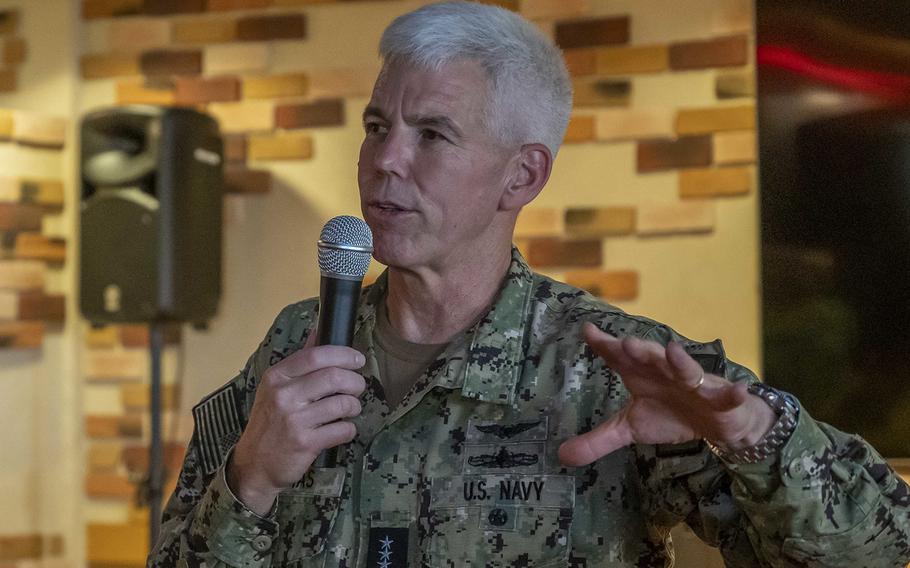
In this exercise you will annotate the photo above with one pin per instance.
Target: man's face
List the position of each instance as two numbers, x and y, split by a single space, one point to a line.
430 175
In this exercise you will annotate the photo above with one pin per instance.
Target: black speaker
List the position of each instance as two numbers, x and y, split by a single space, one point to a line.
150 215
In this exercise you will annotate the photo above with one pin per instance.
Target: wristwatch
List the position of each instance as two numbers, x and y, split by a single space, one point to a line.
787 411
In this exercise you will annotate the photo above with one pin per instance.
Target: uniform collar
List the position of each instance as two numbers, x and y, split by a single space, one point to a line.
493 364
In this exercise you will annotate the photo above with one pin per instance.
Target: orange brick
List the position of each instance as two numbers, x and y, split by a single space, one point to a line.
145 92
603 222
273 86
136 397
137 34
132 364
35 246
551 252
104 456
137 335
14 51
290 146
38 129
234 148
117 544
581 62
92 9
735 147
227 5
581 129
244 181
21 274
6 123
167 7
205 30
601 92
9 21
706 120
194 90
684 217
685 152
592 32
21 547
113 426
553 9
631 60
97 337
720 52
136 458
328 112
538 222
8 80
109 486
171 62
36 305
104 65
46 192
634 123
611 285
715 182
271 27
20 217
21 334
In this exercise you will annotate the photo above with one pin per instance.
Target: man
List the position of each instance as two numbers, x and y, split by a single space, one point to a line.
458 410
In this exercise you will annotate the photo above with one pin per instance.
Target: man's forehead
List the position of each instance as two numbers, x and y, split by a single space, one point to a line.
452 82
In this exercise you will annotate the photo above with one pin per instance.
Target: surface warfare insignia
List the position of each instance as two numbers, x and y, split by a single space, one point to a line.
503 459
218 426
508 430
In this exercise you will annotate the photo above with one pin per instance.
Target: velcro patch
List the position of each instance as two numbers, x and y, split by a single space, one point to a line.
388 547
531 430
503 491
218 425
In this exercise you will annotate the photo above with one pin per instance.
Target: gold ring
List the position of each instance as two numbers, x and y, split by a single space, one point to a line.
701 381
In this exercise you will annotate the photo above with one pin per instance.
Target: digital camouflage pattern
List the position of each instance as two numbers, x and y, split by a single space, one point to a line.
464 473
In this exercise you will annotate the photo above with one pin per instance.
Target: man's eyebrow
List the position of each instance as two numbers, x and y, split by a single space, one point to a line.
440 121
372 111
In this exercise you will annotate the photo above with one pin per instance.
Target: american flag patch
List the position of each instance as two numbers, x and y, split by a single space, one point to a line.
218 427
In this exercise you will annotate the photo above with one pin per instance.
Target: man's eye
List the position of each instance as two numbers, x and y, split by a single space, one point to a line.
372 127
431 135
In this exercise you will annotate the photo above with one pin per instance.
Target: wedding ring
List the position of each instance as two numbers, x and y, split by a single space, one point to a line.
701 381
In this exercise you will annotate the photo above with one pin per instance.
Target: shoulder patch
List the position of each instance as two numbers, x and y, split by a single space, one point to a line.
219 425
709 355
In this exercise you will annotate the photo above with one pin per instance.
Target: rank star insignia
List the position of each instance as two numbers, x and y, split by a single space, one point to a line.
388 547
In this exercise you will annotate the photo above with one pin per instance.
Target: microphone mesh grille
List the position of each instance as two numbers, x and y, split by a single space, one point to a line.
350 231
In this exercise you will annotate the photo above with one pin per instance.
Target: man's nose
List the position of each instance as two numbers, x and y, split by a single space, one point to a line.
394 153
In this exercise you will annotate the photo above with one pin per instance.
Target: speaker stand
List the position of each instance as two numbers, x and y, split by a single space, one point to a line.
156 458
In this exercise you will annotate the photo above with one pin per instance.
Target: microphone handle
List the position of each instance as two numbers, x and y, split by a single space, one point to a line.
338 299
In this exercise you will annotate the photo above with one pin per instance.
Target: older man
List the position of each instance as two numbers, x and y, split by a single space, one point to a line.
489 416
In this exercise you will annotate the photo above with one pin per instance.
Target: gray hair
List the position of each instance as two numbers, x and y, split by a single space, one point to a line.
530 95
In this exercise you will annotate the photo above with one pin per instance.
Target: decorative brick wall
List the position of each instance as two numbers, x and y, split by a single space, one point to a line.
659 159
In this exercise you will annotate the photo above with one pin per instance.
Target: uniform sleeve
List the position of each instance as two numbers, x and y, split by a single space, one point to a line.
827 500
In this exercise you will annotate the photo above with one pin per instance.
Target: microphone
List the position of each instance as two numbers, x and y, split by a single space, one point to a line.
345 249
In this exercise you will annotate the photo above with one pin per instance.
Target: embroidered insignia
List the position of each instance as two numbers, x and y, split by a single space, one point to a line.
388 547
503 459
507 431
218 425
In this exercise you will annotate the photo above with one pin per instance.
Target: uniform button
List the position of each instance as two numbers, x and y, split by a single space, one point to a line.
262 543
796 469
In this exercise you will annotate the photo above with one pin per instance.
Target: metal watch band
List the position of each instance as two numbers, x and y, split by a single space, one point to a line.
788 413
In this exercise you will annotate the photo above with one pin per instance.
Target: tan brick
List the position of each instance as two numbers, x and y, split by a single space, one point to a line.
8 80
21 274
227 5
271 27
104 65
235 58
20 217
244 116
273 86
719 52
288 146
666 154
234 148
35 246
137 335
100 426
10 190
14 51
603 222
38 129
194 90
684 217
136 397
46 192
93 9
109 486
735 85
6 123
36 305
124 545
601 92
538 222
581 62
331 83
631 60
611 285
21 547
706 120
106 336
240 180
592 32
301 2
145 92
9 305
738 147
715 182
552 252
327 112
581 129
104 456
205 30
137 34
136 458
21 334
634 123
171 62
106 365
553 9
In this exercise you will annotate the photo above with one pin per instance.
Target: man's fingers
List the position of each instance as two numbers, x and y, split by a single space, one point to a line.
310 359
327 410
684 369
607 347
591 446
323 383
335 434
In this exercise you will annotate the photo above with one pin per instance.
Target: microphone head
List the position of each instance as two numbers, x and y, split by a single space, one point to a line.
345 248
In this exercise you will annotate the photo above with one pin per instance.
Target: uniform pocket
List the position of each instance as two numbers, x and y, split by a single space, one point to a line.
306 515
499 521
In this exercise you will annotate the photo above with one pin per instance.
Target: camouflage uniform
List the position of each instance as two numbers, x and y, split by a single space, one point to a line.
465 471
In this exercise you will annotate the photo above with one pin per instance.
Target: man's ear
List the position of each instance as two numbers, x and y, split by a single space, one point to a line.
532 170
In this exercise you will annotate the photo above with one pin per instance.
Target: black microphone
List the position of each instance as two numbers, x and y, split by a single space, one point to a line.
345 248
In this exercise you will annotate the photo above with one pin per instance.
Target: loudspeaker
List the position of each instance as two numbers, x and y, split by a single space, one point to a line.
150 215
